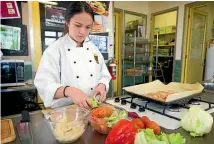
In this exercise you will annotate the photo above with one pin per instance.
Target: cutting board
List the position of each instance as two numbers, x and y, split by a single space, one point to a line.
7 131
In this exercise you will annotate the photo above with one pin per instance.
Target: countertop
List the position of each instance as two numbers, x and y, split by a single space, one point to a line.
42 134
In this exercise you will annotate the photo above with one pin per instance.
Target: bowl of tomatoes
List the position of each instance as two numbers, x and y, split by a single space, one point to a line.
103 118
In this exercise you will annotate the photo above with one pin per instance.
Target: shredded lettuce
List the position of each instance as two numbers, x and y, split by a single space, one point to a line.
197 121
94 102
147 136
115 117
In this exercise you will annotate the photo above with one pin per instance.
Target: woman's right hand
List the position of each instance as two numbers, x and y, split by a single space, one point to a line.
78 97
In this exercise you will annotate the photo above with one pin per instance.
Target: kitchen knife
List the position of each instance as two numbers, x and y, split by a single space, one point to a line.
24 129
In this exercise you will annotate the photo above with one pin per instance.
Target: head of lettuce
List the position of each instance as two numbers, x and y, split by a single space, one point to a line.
197 121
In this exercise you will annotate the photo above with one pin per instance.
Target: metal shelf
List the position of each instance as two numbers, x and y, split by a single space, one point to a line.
146 74
137 62
165 34
163 56
164 45
141 56
140 42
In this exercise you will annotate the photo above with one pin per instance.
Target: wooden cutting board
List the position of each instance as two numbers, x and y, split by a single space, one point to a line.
7 131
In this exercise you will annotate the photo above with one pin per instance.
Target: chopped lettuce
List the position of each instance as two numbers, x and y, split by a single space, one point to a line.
147 136
176 138
115 117
94 102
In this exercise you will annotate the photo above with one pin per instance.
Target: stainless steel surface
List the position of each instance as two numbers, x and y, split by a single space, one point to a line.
25 133
208 85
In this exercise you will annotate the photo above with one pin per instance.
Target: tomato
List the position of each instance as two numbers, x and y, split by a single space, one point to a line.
153 125
145 120
101 112
138 124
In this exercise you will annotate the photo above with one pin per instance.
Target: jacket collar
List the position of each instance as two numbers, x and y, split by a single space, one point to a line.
70 41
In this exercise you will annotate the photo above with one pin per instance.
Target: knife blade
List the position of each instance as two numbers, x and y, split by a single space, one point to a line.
24 129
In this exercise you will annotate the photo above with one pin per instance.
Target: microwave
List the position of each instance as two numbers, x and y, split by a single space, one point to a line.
12 73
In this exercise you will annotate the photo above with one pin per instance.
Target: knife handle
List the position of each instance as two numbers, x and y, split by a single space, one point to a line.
25 116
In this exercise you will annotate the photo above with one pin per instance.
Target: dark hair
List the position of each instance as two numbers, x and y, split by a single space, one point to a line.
76 7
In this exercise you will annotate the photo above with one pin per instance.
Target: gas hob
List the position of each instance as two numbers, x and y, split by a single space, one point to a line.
167 116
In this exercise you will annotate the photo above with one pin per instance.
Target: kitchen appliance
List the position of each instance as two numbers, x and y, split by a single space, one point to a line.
24 129
209 67
12 73
167 116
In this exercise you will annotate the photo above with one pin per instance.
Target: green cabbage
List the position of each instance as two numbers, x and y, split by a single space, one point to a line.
197 121
147 136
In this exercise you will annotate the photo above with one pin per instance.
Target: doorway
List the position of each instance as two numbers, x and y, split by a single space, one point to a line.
194 43
164 26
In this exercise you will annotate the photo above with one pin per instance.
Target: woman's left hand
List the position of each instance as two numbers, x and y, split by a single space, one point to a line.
101 91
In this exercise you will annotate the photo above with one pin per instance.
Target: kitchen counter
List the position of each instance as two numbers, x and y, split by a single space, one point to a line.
42 135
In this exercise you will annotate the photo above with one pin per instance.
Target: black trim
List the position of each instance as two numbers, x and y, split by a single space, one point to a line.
64 91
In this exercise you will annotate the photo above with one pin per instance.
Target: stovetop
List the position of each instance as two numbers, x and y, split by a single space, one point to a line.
167 116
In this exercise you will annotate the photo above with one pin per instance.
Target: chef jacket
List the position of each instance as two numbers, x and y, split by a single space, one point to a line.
64 64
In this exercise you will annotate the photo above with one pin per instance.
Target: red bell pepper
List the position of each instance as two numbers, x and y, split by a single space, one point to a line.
122 133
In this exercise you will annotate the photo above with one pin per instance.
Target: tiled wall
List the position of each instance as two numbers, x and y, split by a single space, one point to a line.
177 71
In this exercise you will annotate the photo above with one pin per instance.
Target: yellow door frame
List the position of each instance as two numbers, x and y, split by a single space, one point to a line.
118 48
35 36
152 33
187 34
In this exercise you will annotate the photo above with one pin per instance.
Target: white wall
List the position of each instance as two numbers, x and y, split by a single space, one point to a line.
160 6
111 31
166 19
134 6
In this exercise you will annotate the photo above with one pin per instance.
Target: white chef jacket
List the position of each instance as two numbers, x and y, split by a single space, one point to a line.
63 64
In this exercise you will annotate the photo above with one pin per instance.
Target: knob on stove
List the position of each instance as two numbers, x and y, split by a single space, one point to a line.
133 106
123 102
117 100
141 109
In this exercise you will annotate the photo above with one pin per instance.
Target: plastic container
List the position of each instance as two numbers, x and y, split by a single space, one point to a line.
68 124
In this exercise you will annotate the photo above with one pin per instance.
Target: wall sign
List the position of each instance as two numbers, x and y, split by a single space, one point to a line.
54 16
101 11
9 10
10 37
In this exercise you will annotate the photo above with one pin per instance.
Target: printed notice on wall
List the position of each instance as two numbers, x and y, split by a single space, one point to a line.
101 42
9 10
101 11
10 37
54 16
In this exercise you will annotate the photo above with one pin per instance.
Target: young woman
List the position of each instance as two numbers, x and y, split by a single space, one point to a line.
72 69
